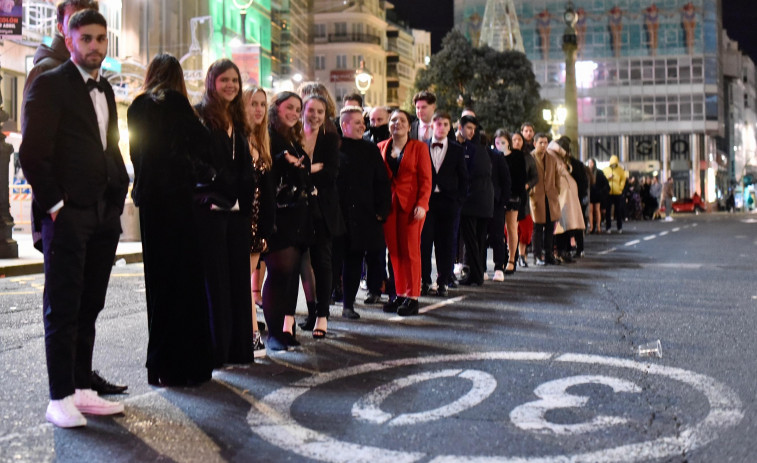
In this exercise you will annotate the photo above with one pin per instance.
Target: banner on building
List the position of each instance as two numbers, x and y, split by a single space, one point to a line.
343 75
247 58
11 12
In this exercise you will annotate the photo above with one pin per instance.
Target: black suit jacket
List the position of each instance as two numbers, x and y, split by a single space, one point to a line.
326 151
480 200
364 192
452 178
61 154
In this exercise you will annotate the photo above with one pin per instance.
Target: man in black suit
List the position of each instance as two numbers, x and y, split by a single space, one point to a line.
71 158
366 199
425 108
449 181
47 58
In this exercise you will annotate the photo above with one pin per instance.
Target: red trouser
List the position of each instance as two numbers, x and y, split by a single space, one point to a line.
525 230
403 240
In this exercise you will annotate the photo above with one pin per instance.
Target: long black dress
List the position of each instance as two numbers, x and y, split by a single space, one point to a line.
169 149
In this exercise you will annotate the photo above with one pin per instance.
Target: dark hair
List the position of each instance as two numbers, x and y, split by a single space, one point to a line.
424 95
353 97
163 74
442 115
86 18
78 5
506 135
291 134
213 111
309 88
524 125
540 135
468 120
564 143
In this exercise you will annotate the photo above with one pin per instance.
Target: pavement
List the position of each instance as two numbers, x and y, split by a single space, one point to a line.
30 261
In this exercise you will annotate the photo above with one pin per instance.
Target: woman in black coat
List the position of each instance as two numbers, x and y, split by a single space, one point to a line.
321 144
515 207
169 149
293 230
225 225
599 189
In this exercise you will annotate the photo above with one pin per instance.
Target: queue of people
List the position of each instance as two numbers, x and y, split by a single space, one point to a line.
241 199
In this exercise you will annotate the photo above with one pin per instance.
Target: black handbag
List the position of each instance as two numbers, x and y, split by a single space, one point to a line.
210 194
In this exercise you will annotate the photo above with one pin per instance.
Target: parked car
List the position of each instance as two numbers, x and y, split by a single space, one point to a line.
693 204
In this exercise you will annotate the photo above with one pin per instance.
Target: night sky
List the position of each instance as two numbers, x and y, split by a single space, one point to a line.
739 19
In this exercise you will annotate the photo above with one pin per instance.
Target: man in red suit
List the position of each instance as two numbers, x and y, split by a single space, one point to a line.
408 166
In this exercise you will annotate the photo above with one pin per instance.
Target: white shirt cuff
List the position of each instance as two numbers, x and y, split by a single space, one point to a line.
55 208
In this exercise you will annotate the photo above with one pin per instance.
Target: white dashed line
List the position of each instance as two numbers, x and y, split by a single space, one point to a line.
607 251
431 307
650 237
676 229
663 233
633 243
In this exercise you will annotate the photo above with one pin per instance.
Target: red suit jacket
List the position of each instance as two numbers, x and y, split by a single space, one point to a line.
412 185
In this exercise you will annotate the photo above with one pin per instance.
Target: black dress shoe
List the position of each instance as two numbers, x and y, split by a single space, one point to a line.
102 386
408 307
350 314
372 299
424 289
441 291
391 306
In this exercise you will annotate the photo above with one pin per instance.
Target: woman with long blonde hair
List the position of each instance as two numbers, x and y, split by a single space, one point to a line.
261 220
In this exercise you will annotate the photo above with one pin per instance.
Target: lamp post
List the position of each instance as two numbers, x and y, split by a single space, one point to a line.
242 6
8 246
556 119
363 79
570 48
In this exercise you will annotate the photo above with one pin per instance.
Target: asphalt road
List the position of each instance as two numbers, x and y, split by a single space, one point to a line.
542 367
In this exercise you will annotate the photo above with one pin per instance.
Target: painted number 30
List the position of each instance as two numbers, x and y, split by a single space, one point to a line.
553 395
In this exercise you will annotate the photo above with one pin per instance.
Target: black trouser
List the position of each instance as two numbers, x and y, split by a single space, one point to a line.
438 233
375 271
352 269
619 202
496 237
80 247
473 230
543 236
320 260
281 287
226 264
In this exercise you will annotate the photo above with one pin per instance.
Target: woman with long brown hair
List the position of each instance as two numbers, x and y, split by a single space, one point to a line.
261 218
293 231
170 151
226 223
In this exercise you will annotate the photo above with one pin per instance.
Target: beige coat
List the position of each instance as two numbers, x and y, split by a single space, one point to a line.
549 186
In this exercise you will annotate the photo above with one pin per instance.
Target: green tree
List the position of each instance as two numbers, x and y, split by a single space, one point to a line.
499 86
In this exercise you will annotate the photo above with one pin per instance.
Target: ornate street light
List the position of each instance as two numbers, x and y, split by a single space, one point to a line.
242 6
570 48
363 78
556 119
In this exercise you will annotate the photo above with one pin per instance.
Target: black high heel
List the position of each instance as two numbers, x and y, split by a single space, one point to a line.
308 324
510 272
291 338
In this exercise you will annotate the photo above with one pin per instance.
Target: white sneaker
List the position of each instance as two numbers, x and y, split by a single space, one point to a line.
668 219
499 275
486 276
87 401
64 414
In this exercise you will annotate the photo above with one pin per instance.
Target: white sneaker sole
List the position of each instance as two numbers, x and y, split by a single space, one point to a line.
101 410
66 423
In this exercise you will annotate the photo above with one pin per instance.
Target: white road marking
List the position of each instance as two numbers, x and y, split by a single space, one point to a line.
368 408
676 229
271 417
431 307
607 251
663 233
553 394
633 243
749 221
650 237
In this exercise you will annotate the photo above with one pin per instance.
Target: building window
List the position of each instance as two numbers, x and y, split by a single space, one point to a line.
320 31
356 59
644 148
341 61
340 29
601 148
320 62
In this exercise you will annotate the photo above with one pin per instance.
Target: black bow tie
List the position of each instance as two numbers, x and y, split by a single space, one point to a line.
92 84
437 145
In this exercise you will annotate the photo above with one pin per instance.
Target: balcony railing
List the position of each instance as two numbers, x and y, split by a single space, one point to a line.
39 21
362 38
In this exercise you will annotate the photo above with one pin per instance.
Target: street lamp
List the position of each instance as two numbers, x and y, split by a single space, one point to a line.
363 78
242 6
555 119
570 48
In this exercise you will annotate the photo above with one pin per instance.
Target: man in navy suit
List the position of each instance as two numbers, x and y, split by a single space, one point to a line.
425 107
71 158
449 186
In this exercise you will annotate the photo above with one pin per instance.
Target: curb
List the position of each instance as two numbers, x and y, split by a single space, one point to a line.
39 267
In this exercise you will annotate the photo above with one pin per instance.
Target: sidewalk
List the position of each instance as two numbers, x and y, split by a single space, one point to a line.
30 260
